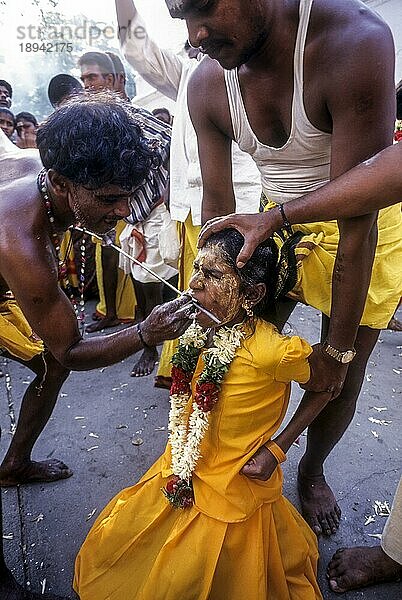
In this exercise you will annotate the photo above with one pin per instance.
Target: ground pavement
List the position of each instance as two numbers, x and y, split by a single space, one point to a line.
109 428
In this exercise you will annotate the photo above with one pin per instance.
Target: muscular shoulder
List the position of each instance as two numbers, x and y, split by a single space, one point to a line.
206 94
349 68
20 208
18 164
346 34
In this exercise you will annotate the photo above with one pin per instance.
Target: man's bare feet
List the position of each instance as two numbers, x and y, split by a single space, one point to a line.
146 364
11 590
353 568
395 324
319 506
103 324
34 472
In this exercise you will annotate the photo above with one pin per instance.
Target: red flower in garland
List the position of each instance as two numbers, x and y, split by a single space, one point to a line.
206 396
179 493
180 381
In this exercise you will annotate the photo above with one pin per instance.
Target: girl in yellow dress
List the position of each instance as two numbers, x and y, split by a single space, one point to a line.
196 527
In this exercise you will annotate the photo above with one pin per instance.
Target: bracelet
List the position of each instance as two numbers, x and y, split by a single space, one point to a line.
138 330
286 225
276 451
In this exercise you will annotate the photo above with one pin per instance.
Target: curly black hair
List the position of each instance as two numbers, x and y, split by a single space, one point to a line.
94 141
262 267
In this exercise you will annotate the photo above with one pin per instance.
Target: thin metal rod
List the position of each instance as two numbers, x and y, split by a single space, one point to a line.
150 271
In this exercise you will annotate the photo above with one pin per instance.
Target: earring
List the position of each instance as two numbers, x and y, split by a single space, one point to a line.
247 306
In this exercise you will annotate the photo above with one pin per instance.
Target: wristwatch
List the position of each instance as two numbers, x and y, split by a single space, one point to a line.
343 357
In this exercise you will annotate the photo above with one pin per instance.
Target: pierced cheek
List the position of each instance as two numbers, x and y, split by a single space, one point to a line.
226 295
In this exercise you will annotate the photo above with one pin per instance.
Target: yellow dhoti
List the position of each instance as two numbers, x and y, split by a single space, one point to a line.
16 335
125 295
317 249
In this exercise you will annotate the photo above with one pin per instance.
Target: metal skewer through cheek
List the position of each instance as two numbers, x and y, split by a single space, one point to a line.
150 271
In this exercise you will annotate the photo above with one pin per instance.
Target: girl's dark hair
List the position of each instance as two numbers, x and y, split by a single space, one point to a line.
94 141
260 268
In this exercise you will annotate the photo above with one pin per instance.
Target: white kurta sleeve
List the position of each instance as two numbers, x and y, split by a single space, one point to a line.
161 68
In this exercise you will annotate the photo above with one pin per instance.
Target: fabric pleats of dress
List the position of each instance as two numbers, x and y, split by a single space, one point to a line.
241 540
142 549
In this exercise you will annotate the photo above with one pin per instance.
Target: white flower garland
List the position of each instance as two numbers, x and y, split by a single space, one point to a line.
185 441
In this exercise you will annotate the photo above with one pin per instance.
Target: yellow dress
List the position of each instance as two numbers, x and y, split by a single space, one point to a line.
241 539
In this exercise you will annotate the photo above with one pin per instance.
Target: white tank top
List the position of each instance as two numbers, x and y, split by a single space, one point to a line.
302 164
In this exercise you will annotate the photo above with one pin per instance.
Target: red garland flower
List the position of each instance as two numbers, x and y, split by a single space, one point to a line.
180 381
206 396
179 493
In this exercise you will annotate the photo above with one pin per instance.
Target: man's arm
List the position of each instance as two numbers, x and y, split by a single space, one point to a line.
159 67
214 146
28 265
262 464
374 184
362 118
369 187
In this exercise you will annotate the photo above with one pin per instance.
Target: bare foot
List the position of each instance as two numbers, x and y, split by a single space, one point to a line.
103 324
10 590
319 506
395 325
353 568
146 364
34 472
163 382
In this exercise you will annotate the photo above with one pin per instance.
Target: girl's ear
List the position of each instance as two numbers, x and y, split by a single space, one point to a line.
256 293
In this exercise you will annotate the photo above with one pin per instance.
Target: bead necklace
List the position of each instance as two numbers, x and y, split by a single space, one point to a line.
79 306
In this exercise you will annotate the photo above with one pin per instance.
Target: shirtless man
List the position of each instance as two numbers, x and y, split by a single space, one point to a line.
84 181
305 80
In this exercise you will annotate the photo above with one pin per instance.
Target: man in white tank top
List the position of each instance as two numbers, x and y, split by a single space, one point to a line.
307 88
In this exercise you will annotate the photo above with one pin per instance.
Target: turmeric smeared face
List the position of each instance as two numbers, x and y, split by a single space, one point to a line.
216 286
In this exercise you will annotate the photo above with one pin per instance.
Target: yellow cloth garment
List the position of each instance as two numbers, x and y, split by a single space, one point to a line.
188 237
242 538
16 335
314 285
125 295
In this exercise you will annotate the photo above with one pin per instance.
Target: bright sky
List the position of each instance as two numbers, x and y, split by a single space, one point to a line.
168 32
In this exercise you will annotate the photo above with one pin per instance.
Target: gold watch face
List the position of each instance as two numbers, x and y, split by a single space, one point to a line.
348 356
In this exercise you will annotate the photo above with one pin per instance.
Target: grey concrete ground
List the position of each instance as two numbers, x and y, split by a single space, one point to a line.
109 428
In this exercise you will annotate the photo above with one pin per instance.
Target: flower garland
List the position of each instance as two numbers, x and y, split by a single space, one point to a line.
185 439
398 131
